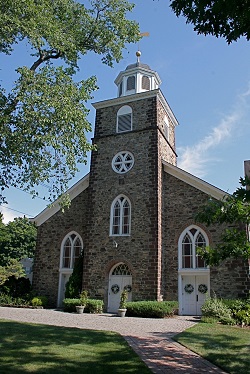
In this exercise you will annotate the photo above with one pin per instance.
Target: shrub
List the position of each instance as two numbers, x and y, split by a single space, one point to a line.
227 321
214 307
16 287
205 319
39 301
151 309
8 300
74 284
92 306
243 316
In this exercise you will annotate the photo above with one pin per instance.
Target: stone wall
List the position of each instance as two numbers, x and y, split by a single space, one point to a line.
50 236
180 204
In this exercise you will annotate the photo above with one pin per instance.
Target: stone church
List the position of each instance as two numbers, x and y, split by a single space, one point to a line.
133 214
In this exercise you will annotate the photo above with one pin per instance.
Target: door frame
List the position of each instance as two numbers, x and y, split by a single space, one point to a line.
190 272
110 279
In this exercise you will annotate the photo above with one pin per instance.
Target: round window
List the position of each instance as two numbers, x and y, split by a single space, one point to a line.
123 162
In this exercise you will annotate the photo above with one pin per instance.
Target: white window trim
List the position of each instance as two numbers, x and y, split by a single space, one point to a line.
70 269
121 154
120 223
193 239
125 109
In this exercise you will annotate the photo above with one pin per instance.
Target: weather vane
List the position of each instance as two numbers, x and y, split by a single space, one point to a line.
138 53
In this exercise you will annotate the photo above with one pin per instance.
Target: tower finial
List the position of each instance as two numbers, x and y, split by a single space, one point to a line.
138 54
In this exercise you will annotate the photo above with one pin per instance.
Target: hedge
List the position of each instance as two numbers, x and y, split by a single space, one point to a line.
151 309
92 306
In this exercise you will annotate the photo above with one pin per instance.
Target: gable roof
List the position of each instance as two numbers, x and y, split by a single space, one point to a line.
196 182
74 191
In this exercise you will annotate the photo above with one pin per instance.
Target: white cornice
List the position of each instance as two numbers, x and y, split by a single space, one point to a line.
135 97
74 191
196 182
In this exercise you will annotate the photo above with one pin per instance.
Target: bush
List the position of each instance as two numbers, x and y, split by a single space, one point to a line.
243 316
92 306
151 309
8 300
214 307
39 301
16 287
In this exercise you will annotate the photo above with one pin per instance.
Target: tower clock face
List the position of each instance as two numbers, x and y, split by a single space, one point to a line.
122 162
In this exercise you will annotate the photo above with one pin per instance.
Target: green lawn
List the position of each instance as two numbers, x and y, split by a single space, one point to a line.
226 346
31 348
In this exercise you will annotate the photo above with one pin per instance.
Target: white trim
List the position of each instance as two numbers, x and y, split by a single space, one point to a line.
193 181
121 217
123 162
74 191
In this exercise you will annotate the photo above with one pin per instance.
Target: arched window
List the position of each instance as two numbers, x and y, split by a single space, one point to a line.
71 250
131 83
124 119
145 83
191 239
120 217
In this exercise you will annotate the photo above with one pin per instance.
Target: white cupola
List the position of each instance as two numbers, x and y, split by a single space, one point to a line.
137 78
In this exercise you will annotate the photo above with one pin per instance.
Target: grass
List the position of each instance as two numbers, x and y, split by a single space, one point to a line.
43 349
226 346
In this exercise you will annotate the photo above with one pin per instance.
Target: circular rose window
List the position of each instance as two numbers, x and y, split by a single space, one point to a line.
122 162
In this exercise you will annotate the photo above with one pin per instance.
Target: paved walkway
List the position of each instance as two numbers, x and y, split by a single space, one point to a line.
150 338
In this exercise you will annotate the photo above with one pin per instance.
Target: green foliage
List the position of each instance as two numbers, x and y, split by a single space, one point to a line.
39 301
123 299
83 298
92 306
228 19
74 285
17 240
8 300
13 268
234 212
43 120
243 316
16 287
215 308
151 309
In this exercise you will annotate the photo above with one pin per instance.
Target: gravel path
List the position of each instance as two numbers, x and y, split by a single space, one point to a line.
127 326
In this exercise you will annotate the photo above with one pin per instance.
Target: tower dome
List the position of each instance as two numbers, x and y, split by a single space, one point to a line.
137 78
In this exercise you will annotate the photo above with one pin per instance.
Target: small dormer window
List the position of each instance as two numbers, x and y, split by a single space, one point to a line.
131 83
145 83
124 119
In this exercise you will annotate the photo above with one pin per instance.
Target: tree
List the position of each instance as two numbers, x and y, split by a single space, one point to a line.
234 213
226 18
12 269
43 120
17 240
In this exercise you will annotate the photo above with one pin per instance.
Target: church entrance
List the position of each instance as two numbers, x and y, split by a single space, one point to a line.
120 279
194 290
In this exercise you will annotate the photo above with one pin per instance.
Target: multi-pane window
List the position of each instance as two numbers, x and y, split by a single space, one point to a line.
72 249
122 162
124 119
192 239
120 216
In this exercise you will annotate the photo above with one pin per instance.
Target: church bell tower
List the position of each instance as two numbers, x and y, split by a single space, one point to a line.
134 132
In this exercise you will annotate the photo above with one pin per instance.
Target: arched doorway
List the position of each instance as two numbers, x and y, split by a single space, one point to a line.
120 278
71 249
194 274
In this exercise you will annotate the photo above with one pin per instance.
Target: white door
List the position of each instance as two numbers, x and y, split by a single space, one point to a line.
120 278
194 292
63 281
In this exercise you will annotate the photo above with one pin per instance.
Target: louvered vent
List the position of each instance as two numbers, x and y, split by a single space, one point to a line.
124 122
145 83
120 89
131 83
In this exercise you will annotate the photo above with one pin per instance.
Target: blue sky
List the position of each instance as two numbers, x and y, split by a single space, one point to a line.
205 81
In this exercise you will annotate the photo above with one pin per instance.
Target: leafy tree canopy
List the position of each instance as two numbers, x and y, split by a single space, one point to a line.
43 120
234 213
17 240
226 18
12 269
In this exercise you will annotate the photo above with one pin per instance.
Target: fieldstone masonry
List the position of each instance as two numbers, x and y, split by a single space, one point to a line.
162 207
